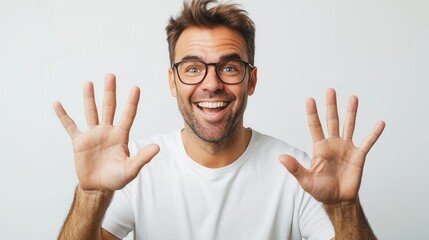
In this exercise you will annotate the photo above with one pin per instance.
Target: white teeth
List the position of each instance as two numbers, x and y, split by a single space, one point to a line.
212 104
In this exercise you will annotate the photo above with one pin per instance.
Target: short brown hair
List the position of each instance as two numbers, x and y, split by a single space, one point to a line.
197 13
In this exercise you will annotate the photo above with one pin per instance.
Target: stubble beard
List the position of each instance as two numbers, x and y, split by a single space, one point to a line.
213 132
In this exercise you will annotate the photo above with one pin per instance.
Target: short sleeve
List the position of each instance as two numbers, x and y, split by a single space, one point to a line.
314 222
119 217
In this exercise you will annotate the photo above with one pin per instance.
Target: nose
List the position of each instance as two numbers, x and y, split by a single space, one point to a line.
211 82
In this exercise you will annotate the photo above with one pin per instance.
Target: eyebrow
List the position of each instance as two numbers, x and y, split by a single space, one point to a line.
191 58
232 56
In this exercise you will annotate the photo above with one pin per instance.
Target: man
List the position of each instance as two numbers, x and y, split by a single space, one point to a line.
214 179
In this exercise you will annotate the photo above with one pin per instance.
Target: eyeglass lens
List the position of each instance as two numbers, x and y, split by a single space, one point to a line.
192 72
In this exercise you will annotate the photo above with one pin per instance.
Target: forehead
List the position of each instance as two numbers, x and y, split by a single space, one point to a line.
210 44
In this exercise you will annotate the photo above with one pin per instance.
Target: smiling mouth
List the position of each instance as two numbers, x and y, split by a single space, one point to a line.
212 105
213 111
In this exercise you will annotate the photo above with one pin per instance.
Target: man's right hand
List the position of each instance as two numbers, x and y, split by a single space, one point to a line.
102 158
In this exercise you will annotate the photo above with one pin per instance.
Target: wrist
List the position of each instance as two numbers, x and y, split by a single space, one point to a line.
348 206
86 214
94 194
92 202
349 220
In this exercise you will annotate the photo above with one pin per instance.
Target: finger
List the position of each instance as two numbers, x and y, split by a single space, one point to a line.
314 121
67 122
372 138
350 122
142 158
91 113
301 174
109 101
332 113
130 110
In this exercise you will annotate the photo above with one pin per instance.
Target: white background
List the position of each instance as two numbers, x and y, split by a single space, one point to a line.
375 49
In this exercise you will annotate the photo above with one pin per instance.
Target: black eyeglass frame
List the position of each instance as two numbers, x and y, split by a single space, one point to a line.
246 64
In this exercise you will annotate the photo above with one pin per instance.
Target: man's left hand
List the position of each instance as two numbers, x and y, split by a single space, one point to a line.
337 164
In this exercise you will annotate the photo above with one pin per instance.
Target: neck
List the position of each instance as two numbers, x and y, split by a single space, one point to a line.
216 154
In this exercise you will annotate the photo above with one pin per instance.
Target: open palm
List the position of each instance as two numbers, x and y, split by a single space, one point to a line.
101 152
337 164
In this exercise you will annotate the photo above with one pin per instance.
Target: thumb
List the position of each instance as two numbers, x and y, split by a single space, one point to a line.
142 158
296 169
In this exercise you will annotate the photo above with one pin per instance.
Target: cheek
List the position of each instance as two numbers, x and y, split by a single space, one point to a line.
240 92
184 93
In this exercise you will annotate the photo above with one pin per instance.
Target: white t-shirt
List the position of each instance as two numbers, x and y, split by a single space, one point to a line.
255 197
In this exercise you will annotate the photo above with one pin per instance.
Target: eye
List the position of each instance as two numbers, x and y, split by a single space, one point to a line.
229 69
193 69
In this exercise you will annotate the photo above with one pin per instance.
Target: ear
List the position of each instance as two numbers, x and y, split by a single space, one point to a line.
252 81
172 82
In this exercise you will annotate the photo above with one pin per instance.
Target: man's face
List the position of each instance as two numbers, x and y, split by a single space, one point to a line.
212 109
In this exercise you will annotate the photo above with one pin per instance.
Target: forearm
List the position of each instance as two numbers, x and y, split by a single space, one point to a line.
86 215
349 221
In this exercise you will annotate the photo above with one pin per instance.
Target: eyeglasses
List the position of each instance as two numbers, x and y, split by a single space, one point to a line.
192 72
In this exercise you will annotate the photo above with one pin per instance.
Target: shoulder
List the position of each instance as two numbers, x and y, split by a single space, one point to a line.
270 146
165 141
166 161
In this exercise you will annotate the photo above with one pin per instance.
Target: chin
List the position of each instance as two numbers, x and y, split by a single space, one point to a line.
212 133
